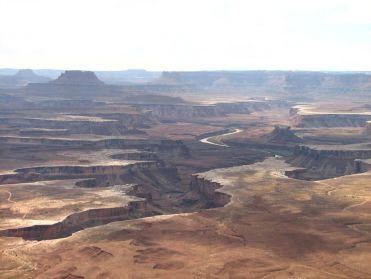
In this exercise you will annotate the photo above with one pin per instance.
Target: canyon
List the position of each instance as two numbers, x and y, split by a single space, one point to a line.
255 174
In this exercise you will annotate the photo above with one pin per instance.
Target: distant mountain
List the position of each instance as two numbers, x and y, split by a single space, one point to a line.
21 78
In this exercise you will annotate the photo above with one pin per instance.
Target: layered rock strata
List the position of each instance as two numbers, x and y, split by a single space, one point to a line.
322 163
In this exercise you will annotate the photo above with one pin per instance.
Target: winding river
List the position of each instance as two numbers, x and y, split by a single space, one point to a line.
207 140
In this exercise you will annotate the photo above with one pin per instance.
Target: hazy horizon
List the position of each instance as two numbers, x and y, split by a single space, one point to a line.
159 71
165 35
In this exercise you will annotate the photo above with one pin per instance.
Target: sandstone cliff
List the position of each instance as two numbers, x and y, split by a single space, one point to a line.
208 189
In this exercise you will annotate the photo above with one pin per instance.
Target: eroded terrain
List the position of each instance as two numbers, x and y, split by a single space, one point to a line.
159 181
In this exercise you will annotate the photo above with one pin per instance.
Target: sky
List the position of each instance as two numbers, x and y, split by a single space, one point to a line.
186 34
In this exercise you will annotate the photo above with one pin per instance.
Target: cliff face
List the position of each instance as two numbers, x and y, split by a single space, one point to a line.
328 119
79 221
62 172
205 190
208 190
325 163
163 148
362 165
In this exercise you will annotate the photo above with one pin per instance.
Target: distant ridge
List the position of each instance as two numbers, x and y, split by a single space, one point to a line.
281 81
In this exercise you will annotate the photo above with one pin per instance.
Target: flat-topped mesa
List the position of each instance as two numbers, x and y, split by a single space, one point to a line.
307 116
78 78
328 161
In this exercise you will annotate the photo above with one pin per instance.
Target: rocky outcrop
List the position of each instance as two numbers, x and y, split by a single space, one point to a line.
362 165
283 135
208 189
